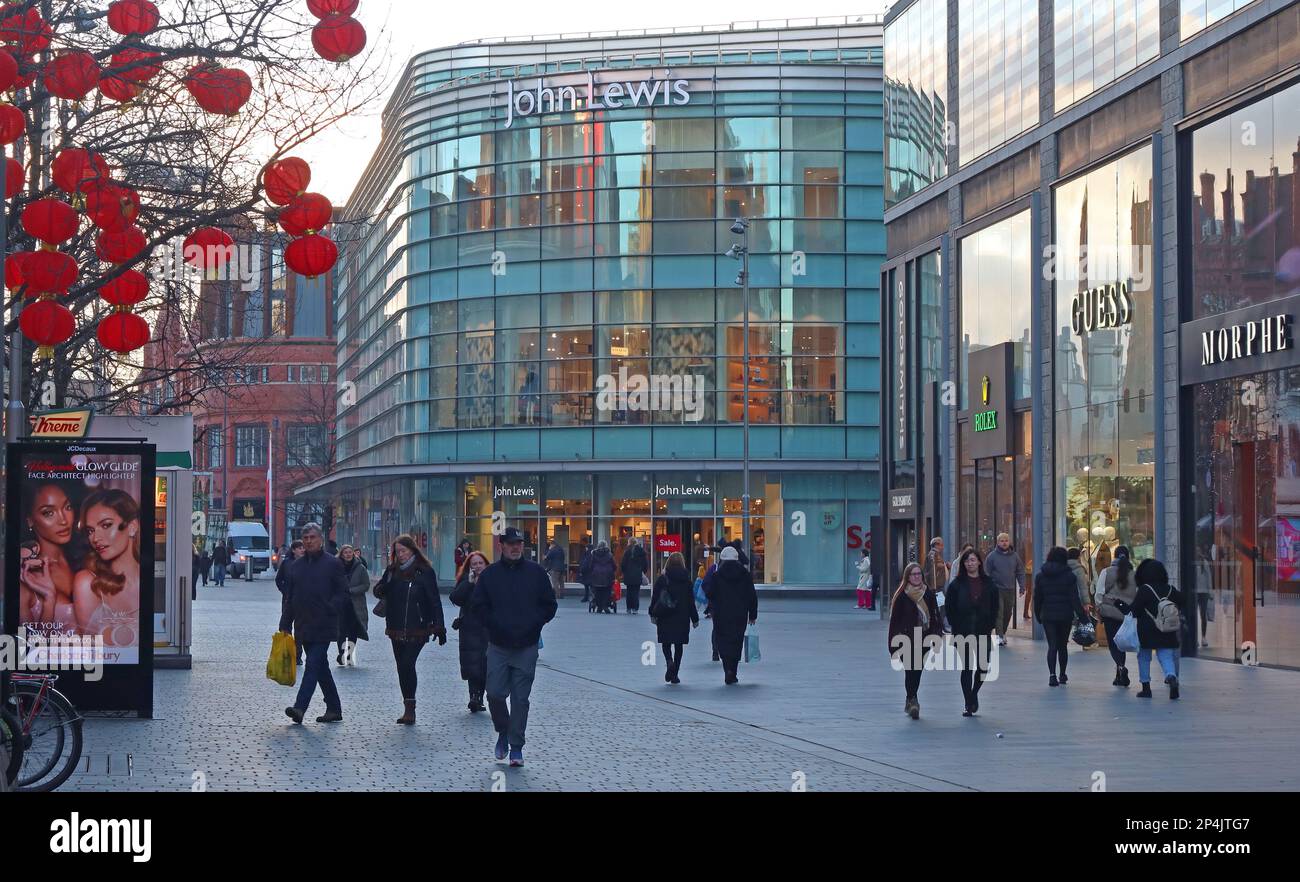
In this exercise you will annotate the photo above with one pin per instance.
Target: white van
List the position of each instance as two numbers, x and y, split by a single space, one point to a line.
252 554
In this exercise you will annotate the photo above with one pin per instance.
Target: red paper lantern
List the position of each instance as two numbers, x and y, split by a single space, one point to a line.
74 170
48 272
338 38
15 178
132 17
28 70
13 124
112 207
123 332
221 90
8 70
28 31
15 269
72 75
50 220
286 179
128 289
136 65
208 248
324 8
120 246
309 213
311 256
116 88
47 324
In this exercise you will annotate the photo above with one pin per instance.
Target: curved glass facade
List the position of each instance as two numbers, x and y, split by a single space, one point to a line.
551 287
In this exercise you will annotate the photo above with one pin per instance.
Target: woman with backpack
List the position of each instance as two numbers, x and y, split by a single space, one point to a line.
1116 586
672 611
1157 608
1056 605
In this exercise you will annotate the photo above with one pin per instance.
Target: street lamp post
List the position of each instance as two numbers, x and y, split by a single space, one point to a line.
740 251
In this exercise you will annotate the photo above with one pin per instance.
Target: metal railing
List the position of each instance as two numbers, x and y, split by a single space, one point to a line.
760 24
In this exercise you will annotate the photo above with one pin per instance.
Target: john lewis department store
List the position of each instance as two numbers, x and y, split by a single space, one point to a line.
1105 267
537 317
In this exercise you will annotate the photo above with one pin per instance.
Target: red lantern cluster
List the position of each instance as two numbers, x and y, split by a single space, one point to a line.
121 331
217 89
306 215
75 171
337 36
286 179
45 276
303 216
27 31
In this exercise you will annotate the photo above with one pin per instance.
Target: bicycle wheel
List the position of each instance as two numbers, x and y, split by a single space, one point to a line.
12 742
54 738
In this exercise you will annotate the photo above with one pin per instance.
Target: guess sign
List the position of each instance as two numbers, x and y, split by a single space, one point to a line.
667 543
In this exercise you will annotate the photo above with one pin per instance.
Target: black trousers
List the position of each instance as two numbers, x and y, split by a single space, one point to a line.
632 594
405 653
974 668
349 627
730 646
673 656
1202 605
1058 645
1111 627
912 681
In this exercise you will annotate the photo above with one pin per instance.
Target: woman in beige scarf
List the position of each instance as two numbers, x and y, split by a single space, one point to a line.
913 617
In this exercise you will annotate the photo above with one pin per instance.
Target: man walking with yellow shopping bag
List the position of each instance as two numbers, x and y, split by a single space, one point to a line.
315 589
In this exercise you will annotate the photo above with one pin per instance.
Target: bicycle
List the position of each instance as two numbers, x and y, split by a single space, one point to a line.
11 747
50 732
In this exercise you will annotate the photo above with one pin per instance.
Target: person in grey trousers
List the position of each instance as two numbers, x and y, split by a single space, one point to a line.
514 600
1006 570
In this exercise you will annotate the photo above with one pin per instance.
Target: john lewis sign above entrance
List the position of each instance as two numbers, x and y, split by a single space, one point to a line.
522 100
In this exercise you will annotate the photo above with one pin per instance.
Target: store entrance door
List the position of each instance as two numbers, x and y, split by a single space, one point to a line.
903 552
697 537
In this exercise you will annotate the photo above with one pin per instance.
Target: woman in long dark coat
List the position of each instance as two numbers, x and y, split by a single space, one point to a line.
473 631
409 589
674 626
972 609
914 620
734 603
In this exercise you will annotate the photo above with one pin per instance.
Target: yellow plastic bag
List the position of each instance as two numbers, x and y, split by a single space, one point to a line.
282 666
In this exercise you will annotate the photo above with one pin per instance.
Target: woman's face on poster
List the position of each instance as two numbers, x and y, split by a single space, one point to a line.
52 517
107 533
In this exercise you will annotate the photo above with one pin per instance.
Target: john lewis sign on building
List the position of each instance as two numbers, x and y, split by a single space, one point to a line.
524 101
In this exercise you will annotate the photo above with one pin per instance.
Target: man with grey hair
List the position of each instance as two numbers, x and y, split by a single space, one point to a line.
315 589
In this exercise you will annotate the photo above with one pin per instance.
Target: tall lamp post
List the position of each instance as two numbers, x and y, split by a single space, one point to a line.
740 251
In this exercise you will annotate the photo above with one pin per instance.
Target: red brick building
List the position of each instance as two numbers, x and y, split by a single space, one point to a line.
264 338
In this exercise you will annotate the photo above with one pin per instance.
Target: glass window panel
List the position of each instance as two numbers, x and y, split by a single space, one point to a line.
567 241
616 239
618 307
624 341
671 202
517 312
567 309
683 134
683 237
684 306
756 167
684 168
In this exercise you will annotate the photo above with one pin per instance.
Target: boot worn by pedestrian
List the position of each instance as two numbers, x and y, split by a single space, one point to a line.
1052 681
1145 691
408 718
330 717
1119 678
502 748
913 709
294 714
1172 682
516 757
1123 678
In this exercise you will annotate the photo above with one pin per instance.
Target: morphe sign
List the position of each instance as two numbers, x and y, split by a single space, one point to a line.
1244 341
524 100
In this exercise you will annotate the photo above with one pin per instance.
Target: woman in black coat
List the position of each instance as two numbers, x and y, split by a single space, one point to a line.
914 626
413 613
472 630
733 602
1056 605
1153 586
971 604
674 625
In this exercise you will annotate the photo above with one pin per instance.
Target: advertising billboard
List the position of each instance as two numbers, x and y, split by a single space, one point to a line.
80 551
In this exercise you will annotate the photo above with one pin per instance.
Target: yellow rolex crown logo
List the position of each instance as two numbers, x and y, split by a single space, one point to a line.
984 389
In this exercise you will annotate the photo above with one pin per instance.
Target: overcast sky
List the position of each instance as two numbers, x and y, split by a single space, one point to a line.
401 28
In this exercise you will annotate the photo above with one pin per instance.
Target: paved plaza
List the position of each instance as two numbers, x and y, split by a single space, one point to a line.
822 710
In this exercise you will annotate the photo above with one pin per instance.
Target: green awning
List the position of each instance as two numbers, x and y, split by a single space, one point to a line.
170 460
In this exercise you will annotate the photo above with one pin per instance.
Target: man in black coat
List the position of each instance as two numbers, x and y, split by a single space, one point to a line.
220 560
733 602
513 598
584 572
634 566
315 589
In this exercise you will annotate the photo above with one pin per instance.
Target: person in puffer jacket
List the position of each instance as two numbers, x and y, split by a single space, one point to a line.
1056 605
409 589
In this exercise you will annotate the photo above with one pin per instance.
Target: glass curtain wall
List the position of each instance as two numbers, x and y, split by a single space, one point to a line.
1197 15
997 74
996 271
1105 359
1097 43
916 98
